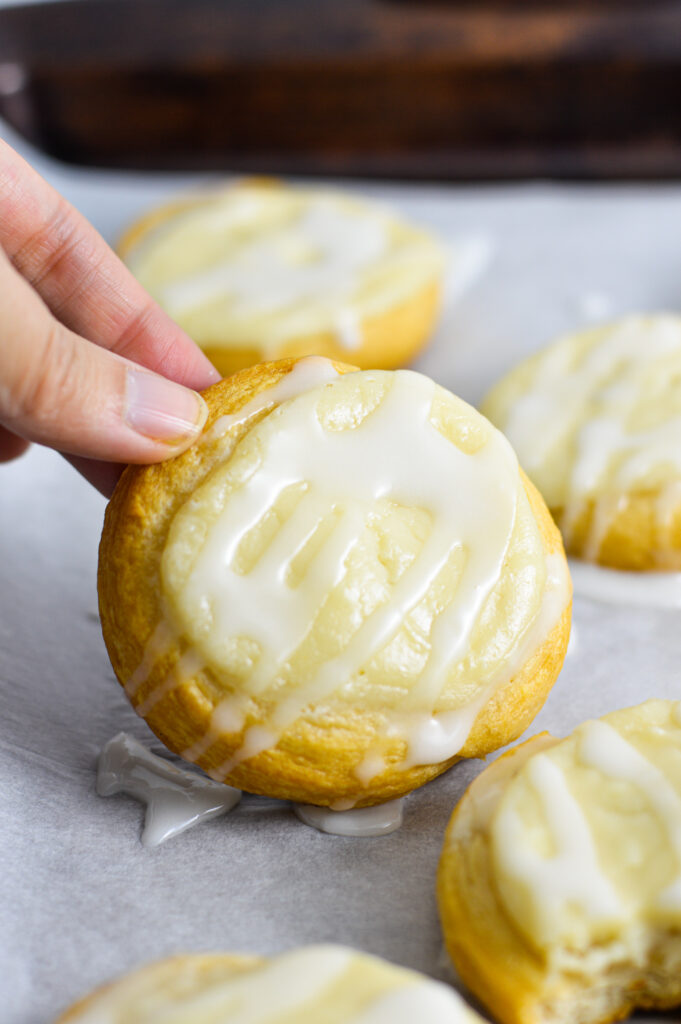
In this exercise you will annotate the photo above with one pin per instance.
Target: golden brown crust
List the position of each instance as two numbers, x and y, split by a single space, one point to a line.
489 953
634 540
389 339
312 762
493 957
515 706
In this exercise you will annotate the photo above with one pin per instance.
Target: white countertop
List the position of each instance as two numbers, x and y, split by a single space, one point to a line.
81 899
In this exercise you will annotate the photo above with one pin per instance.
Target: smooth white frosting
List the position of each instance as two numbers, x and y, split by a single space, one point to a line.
176 799
361 822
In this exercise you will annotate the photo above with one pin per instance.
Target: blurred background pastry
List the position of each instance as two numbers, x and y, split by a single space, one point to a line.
596 422
261 270
309 985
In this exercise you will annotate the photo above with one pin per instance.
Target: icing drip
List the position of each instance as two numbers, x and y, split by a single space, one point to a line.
158 644
364 821
570 876
308 373
176 799
614 586
435 738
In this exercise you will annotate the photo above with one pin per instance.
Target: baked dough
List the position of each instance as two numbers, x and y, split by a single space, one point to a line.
560 878
596 422
260 270
342 588
329 984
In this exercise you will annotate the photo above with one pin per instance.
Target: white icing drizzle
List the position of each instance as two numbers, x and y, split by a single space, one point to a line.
307 373
603 748
591 404
158 644
429 1002
615 586
284 986
292 263
323 251
305 984
436 738
380 820
353 469
176 799
572 875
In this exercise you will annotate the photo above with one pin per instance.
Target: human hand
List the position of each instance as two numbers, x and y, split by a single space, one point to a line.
89 364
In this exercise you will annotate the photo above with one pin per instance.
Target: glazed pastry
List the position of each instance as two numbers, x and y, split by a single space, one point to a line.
342 588
309 985
596 422
560 879
260 270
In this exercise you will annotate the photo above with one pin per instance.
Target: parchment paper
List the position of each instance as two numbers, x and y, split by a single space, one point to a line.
80 899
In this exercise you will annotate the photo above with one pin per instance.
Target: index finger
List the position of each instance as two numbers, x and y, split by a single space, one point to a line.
83 282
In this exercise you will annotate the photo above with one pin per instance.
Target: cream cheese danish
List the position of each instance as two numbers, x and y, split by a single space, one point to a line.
260 270
344 587
596 422
560 878
316 983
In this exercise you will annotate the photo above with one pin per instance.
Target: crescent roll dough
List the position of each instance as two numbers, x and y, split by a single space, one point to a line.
560 878
329 984
260 270
343 587
596 422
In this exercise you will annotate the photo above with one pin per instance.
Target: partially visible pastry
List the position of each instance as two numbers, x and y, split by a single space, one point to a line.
315 984
346 585
260 270
560 878
596 422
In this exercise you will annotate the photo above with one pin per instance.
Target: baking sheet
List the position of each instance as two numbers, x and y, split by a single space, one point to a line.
80 899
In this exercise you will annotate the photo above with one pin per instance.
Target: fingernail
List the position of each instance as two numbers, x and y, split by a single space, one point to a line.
162 410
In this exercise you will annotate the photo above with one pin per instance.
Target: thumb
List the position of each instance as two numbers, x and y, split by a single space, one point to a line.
60 390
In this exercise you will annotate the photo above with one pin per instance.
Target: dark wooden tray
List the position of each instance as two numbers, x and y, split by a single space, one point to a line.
372 87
